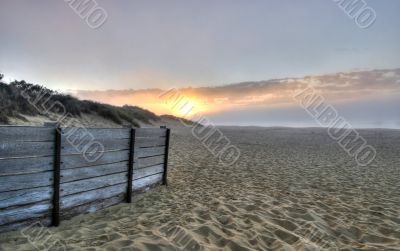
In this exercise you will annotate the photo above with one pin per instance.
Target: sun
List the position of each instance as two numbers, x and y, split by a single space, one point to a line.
188 107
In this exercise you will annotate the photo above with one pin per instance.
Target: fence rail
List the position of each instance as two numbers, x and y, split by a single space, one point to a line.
45 177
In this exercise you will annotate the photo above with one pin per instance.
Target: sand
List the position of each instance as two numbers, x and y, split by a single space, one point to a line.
292 189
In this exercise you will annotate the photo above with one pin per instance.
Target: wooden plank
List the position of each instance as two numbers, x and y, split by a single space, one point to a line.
149 161
150 132
98 194
26 212
150 142
13 183
86 186
26 149
69 175
144 172
79 147
149 152
26 196
148 181
25 133
97 133
26 165
92 206
78 160
94 183
96 205
147 188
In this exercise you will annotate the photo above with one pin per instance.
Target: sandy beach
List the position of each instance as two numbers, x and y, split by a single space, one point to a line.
291 189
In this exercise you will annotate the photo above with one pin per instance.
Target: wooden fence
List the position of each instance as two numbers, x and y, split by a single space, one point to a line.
45 177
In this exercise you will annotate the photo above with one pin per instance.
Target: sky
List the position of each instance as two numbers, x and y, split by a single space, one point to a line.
201 44
366 99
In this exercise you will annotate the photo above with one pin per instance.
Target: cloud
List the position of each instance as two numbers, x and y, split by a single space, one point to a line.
339 87
367 98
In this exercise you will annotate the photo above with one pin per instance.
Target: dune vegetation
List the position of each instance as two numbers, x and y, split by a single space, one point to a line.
14 104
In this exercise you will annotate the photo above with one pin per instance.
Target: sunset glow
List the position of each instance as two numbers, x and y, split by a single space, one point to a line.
228 60
200 125
265 100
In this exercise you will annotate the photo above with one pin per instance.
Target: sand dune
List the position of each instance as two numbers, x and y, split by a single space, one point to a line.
292 189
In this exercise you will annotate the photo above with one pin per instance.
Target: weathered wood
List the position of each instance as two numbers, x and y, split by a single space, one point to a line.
130 165
150 132
79 147
144 182
26 149
78 160
98 194
37 166
25 133
25 212
74 174
25 165
13 183
150 142
92 206
149 161
144 172
146 188
56 177
149 152
97 133
93 183
26 196
165 175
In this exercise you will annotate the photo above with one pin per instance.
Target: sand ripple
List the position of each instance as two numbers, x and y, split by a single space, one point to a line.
291 190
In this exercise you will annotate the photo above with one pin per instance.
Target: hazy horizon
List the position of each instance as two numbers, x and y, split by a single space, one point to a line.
282 126
271 102
202 48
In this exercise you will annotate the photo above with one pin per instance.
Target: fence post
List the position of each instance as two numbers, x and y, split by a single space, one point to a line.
56 177
130 165
165 181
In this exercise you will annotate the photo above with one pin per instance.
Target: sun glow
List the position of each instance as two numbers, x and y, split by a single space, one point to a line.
187 108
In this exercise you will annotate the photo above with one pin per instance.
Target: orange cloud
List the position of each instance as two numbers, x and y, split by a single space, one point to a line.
342 87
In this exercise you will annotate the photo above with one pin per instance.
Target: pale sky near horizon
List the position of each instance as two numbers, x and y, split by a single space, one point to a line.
146 44
163 44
